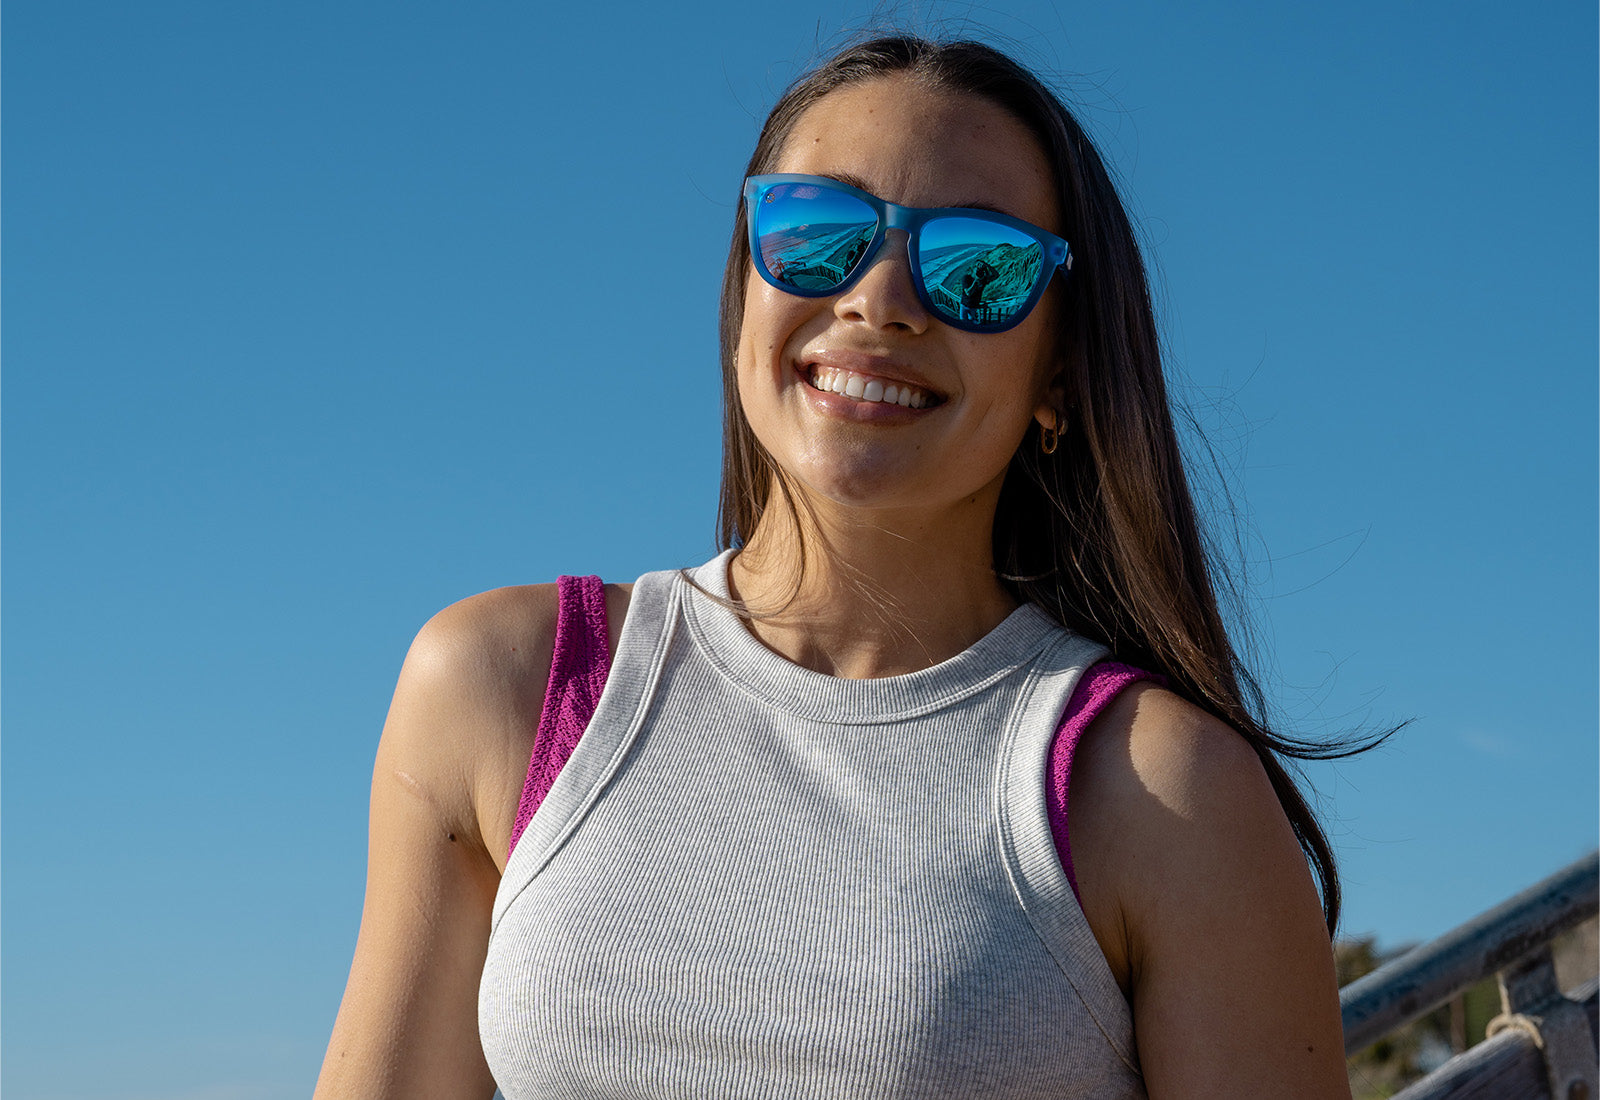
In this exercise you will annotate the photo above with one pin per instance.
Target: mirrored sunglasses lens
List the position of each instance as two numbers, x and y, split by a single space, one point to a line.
812 237
978 272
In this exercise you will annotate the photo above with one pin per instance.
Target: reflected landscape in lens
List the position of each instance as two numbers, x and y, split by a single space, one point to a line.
978 271
812 236
815 257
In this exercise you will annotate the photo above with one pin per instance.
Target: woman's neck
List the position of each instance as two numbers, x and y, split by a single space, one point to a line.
871 594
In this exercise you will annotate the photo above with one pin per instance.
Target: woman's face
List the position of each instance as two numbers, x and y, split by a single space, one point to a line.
915 146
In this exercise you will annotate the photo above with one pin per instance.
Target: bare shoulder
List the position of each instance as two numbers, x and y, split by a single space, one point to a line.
467 704
485 644
1196 887
1159 776
1185 778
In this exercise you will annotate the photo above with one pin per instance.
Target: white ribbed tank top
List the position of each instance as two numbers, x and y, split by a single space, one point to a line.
755 880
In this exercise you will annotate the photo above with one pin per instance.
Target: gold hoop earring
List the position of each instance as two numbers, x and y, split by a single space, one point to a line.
1050 437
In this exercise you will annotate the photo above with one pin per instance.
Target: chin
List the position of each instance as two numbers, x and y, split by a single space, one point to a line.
866 489
884 486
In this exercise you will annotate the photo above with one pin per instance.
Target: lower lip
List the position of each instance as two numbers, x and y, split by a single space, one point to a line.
848 408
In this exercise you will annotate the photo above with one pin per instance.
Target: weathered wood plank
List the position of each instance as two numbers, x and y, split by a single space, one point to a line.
1421 980
1507 1066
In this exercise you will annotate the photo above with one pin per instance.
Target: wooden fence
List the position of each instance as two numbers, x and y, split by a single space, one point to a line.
1543 1044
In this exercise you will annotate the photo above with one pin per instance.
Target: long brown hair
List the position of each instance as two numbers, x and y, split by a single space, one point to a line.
1102 534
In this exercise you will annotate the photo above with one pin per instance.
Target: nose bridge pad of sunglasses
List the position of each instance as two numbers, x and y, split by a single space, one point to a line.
890 268
895 244
900 232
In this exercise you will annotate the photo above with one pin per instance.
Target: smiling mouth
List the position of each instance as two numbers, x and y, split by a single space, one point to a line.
867 389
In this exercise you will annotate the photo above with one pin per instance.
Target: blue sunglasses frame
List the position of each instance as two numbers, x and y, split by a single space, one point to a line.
1056 255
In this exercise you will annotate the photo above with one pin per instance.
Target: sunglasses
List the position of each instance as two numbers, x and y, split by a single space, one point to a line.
975 270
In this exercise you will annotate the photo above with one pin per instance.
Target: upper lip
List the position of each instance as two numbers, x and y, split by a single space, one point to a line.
885 368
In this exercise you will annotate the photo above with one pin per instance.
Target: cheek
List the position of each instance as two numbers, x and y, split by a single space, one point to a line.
1018 367
761 363
772 323
1039 353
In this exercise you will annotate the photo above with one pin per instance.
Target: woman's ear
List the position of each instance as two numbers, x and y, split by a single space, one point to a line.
1051 417
1050 414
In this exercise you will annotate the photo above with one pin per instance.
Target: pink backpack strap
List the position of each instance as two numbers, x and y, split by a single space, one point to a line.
578 671
1100 684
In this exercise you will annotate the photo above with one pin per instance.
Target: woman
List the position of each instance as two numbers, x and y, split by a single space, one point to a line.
814 837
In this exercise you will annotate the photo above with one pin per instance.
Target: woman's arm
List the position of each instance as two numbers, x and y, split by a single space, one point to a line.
1197 890
449 768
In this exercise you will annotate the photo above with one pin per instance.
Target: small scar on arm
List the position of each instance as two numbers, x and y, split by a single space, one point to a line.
415 788
419 792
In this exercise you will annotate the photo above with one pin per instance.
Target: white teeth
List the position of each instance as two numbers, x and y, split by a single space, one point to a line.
861 388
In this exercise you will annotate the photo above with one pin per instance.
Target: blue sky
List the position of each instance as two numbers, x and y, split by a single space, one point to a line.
319 317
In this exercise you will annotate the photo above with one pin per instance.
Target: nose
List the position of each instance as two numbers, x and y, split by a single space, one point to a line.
884 297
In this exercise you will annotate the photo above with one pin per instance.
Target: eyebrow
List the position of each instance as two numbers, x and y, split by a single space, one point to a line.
861 185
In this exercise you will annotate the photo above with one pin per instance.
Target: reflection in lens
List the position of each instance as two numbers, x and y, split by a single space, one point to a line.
978 271
812 237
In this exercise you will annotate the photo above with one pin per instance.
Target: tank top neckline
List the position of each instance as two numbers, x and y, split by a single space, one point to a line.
731 648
